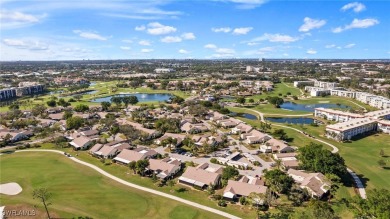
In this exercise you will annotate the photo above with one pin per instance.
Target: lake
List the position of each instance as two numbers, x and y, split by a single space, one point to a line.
310 107
290 120
141 97
244 115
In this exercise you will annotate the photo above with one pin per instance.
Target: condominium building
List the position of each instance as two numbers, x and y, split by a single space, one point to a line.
379 114
346 130
335 115
364 97
303 83
8 93
317 91
384 126
343 93
326 85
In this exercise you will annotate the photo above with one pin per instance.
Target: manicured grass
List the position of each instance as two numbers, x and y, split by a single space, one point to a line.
280 88
336 100
80 191
361 155
122 172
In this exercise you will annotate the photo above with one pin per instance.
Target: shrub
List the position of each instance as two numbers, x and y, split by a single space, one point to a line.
222 203
213 160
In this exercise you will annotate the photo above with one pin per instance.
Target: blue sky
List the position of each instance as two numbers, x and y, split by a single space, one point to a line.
204 29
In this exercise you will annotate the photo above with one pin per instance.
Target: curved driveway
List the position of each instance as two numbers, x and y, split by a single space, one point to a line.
119 180
358 182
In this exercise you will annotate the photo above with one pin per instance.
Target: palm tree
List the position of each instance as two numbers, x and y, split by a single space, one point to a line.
278 163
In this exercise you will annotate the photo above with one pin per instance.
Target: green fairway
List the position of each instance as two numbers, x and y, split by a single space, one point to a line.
80 191
279 88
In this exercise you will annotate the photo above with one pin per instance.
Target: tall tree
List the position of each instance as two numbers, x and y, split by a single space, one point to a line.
43 195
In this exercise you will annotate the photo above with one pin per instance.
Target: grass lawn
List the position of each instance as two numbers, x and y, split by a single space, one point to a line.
280 88
361 155
336 100
80 191
190 194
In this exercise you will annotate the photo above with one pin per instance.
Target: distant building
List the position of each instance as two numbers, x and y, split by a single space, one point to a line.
164 70
303 83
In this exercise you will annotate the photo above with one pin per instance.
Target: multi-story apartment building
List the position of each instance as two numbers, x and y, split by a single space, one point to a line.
364 97
317 91
335 115
8 93
326 85
303 83
379 114
346 130
384 126
343 93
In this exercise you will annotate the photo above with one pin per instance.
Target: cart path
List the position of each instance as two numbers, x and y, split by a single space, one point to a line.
119 180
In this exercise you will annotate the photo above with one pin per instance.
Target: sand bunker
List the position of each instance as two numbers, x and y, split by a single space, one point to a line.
10 188
323 101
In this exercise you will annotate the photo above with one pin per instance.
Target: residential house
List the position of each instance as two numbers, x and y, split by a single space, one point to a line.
81 143
14 136
201 176
190 128
255 137
315 183
275 146
126 156
243 188
288 160
165 168
242 128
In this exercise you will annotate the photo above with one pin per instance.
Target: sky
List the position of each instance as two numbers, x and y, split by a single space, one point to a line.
197 29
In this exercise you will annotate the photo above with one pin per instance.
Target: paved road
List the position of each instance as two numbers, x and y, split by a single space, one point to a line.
119 180
358 182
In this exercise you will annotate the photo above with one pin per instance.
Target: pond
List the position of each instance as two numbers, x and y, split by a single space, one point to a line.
244 115
141 97
83 93
310 107
291 120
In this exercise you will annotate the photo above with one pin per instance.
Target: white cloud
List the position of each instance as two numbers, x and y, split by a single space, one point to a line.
356 23
252 44
221 29
26 44
355 6
140 28
261 51
188 36
144 43
156 28
225 51
146 50
349 45
242 30
183 51
330 46
311 51
89 35
125 47
171 39
285 54
247 4
337 30
309 24
16 19
210 46
275 38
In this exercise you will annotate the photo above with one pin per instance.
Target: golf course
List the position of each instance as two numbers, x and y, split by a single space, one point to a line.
80 191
